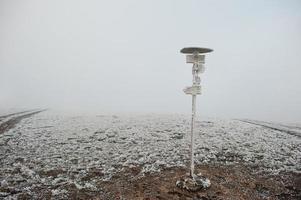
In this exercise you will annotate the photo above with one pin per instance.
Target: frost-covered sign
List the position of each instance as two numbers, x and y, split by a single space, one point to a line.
195 55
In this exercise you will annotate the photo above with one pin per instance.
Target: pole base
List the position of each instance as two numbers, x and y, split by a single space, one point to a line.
194 184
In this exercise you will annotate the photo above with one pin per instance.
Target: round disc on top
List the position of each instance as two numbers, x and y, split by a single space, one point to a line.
191 50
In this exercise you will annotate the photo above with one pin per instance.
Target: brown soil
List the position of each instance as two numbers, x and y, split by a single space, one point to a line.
228 182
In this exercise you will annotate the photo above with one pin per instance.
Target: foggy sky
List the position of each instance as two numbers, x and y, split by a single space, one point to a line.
123 56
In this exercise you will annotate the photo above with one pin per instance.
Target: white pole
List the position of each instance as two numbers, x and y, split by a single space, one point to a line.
192 137
194 55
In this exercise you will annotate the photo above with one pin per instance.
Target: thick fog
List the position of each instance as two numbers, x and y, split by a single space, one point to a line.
124 56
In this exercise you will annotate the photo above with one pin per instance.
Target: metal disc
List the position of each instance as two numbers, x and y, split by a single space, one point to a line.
191 50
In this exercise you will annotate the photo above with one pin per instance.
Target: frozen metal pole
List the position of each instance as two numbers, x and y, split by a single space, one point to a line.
195 55
195 90
192 137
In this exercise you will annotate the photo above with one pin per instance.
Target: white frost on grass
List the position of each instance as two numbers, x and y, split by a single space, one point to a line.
4 183
58 192
49 147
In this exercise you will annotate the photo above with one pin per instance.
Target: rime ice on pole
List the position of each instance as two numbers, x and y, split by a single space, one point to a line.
194 55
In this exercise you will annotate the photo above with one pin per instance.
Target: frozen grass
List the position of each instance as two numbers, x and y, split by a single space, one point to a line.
54 149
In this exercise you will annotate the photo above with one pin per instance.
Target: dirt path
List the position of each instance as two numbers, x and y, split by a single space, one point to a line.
287 129
16 113
5 126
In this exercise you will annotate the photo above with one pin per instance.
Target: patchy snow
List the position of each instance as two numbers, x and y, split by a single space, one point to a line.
54 149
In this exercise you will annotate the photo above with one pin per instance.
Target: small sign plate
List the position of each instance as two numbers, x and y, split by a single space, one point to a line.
193 90
195 58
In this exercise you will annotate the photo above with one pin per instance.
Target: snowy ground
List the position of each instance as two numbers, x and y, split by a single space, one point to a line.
53 149
292 129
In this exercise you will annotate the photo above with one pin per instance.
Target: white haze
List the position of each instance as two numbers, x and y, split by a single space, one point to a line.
123 56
